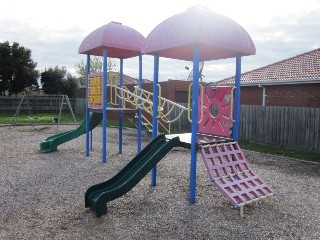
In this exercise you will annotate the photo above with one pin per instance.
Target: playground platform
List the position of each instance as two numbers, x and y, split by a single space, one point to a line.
122 110
185 139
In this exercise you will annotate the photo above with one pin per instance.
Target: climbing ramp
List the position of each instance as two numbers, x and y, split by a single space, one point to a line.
230 172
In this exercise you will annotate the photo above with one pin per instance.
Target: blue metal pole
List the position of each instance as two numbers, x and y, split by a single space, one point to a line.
155 112
91 140
104 105
120 105
236 125
194 127
87 106
139 109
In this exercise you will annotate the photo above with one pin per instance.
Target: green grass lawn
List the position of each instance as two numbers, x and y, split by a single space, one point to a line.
66 118
281 151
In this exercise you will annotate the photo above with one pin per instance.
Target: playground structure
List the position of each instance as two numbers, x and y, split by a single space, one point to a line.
214 111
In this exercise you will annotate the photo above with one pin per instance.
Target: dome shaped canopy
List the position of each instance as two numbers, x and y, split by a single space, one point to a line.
121 41
218 37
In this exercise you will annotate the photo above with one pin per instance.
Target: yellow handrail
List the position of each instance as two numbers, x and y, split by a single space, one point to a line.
232 103
161 108
143 99
201 103
149 123
189 103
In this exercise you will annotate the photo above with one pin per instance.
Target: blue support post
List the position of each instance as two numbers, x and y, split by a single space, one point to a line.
155 112
139 109
90 140
236 125
194 127
87 106
104 106
120 106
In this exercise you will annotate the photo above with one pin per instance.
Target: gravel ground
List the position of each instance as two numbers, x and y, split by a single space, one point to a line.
42 195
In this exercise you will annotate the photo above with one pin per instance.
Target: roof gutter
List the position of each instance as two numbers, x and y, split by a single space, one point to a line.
269 83
289 82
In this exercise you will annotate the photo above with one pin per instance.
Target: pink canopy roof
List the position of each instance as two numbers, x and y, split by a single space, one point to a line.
218 36
120 40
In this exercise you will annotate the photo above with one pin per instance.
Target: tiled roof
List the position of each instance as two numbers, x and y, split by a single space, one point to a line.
300 68
130 80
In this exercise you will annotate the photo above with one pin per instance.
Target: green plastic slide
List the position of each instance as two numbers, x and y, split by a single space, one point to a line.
52 142
97 196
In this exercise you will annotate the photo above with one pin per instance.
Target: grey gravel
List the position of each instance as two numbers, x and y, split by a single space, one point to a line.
42 195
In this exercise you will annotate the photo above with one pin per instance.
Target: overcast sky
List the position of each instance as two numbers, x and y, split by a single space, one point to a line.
54 30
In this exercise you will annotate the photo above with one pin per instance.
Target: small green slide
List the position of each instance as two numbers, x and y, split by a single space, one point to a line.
97 196
52 142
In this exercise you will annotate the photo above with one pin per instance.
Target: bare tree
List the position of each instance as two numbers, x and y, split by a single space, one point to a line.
96 65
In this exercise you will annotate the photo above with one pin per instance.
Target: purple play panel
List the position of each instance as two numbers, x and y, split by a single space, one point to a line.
230 172
218 37
120 40
221 99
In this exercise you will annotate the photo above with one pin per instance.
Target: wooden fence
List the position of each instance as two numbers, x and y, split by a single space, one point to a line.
182 124
283 126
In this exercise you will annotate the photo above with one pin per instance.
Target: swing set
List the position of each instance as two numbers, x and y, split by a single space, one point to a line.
56 101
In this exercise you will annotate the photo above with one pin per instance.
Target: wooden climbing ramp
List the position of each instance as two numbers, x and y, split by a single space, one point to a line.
230 172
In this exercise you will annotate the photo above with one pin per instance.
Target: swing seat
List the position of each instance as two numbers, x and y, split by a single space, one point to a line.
55 119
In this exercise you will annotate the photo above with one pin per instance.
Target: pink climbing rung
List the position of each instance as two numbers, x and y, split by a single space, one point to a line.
230 172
